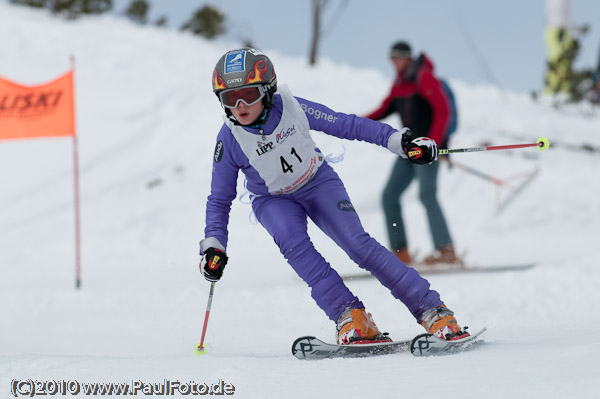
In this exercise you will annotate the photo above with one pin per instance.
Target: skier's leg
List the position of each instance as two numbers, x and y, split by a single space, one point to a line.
285 220
399 180
427 176
328 205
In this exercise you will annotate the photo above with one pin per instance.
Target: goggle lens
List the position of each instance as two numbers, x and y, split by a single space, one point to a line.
248 95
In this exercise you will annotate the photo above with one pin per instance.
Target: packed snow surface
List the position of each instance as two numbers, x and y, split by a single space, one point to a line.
147 122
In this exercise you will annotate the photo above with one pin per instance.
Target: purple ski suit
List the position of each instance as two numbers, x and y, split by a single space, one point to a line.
312 189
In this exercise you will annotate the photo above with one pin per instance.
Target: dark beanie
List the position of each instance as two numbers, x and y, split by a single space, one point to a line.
400 50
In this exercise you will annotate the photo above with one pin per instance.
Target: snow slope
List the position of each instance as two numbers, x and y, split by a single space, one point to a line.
147 122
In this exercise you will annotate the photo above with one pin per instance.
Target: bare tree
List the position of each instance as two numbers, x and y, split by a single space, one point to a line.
317 5
318 9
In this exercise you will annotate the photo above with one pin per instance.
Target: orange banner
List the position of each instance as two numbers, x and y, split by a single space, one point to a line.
46 110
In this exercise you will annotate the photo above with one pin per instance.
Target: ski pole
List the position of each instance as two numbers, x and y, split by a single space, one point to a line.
542 143
475 172
200 349
499 183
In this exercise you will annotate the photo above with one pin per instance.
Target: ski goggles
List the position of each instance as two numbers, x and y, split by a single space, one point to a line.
249 95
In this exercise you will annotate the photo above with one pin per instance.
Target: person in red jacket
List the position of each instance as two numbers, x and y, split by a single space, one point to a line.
423 106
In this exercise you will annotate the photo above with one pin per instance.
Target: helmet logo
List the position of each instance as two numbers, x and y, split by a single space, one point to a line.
258 71
235 61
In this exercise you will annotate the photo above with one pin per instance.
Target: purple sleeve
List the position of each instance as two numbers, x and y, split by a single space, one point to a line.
222 189
350 127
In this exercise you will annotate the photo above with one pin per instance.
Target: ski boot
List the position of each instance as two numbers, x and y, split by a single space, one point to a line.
441 256
355 326
441 323
403 255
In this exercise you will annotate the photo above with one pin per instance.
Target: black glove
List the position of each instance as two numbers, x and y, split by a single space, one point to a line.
212 264
420 150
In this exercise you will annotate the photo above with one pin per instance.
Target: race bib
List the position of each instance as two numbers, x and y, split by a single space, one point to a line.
287 159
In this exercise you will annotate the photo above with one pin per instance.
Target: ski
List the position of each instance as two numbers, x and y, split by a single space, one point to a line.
449 269
312 348
429 345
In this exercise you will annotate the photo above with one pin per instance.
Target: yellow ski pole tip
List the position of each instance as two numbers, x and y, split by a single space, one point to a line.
543 143
198 350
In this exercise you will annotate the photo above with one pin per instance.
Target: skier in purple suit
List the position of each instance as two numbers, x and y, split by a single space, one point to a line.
267 136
